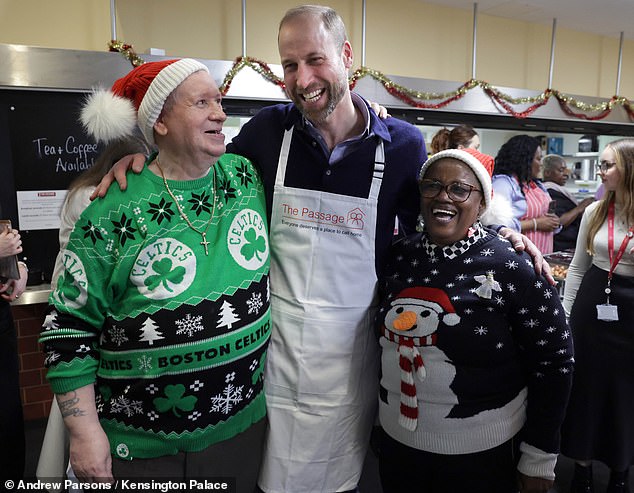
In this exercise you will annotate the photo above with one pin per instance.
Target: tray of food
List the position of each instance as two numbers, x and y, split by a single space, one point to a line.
559 271
559 263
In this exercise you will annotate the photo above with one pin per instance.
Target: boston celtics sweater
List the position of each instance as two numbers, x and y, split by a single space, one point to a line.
173 339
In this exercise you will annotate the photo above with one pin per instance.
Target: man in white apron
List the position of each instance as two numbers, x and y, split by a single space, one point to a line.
322 367
322 372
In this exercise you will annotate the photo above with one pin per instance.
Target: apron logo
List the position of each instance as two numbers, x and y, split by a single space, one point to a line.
164 269
72 285
247 240
355 218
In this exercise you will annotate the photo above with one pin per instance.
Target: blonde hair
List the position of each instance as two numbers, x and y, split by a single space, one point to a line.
624 152
115 150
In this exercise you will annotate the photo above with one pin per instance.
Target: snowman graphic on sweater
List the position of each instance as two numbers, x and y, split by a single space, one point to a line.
410 359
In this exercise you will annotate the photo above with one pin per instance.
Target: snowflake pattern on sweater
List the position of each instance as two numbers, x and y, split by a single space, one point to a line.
494 344
173 340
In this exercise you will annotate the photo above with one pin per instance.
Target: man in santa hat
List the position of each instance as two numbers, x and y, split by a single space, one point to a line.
159 323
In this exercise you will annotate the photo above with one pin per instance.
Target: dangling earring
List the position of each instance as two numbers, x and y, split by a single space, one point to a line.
420 224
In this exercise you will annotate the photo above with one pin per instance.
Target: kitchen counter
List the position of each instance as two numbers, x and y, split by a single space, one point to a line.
33 295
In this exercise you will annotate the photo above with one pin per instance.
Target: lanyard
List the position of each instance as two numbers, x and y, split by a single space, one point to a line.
615 260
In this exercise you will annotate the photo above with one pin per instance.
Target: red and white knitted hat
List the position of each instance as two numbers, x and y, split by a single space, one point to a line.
434 298
136 98
480 164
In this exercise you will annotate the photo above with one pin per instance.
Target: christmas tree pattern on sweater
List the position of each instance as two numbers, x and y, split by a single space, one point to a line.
174 340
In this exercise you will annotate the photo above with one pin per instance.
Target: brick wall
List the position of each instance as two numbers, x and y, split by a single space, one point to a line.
35 391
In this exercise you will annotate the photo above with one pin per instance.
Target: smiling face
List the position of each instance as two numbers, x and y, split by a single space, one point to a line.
413 319
446 220
315 67
192 118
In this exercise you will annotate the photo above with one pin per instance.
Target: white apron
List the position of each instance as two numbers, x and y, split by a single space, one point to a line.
322 365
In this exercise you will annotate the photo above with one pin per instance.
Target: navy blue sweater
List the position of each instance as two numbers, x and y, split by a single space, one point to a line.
260 140
492 348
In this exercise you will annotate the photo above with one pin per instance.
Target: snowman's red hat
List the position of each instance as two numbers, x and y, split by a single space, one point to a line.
433 298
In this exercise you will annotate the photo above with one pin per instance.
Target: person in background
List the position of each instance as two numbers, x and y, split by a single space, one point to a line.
156 341
567 207
80 190
476 356
598 296
336 177
460 137
516 177
11 421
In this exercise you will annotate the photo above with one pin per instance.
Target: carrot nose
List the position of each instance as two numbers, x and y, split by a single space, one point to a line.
404 321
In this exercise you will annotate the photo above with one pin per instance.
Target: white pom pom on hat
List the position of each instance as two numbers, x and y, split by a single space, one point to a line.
136 98
108 117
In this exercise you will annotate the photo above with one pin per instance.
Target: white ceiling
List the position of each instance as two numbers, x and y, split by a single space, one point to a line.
604 17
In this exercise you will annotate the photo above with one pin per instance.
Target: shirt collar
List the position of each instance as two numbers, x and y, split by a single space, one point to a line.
359 103
373 124
457 248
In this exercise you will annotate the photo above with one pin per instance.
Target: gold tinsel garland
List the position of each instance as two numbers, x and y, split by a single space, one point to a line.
127 51
420 99
260 67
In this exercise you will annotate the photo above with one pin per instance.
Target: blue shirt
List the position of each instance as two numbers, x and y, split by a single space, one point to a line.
508 187
344 148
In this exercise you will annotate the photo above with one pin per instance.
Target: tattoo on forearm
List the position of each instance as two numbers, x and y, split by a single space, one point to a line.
69 406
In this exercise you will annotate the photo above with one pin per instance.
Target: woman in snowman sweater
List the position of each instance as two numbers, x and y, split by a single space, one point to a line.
477 358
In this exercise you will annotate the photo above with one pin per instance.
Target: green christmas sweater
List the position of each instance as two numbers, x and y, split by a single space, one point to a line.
174 340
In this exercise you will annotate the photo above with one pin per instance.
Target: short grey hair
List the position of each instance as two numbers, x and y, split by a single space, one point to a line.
329 17
551 161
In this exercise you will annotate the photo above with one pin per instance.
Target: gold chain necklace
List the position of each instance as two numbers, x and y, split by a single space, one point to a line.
182 213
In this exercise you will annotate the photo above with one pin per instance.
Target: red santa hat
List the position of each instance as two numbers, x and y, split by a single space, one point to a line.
135 99
435 297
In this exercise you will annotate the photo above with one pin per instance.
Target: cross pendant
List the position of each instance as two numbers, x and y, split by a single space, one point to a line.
205 243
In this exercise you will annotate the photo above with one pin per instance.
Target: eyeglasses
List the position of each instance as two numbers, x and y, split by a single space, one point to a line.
456 191
604 166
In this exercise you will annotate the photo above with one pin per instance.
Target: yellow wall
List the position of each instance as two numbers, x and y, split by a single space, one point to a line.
403 37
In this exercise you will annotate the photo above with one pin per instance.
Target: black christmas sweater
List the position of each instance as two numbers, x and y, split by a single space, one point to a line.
475 348
171 327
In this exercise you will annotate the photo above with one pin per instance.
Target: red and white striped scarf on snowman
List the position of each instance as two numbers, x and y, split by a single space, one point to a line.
410 361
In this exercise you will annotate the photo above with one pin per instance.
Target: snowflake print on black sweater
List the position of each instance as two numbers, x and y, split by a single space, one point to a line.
488 331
